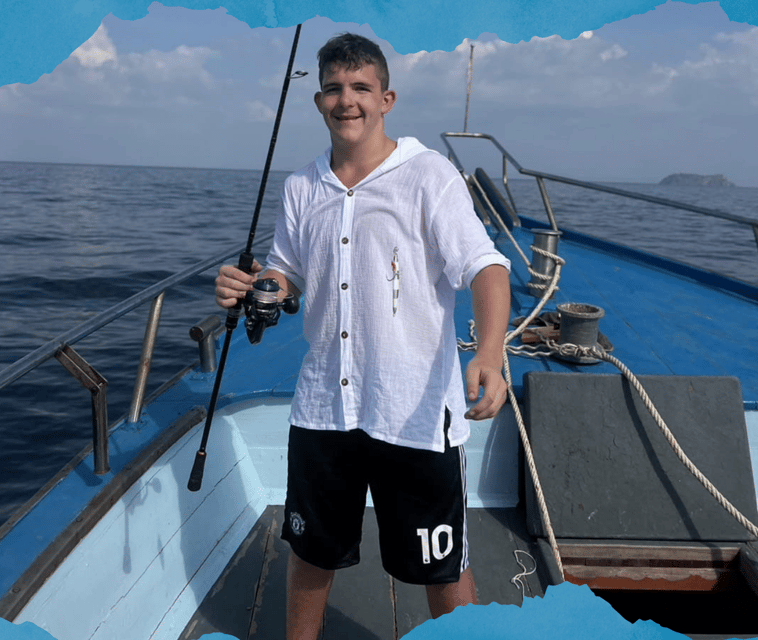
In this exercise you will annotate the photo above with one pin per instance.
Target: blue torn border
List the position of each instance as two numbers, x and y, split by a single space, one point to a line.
36 37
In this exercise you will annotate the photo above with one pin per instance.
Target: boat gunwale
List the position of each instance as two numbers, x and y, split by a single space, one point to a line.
584 184
46 562
44 352
72 464
701 275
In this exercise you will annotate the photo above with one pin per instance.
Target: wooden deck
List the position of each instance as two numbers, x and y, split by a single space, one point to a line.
365 603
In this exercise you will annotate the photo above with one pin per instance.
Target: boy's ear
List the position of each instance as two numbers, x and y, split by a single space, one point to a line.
317 100
390 97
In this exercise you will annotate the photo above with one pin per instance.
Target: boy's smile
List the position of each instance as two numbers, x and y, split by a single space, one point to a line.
353 105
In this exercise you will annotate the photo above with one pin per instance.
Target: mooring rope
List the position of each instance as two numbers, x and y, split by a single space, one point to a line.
532 467
470 346
577 351
550 347
598 352
549 289
519 579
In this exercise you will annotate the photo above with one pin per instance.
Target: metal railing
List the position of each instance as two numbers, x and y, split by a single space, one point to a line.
540 177
61 348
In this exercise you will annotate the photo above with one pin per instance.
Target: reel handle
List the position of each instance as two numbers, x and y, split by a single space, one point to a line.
291 304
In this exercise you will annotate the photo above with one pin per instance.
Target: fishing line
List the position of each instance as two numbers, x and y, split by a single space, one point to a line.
246 261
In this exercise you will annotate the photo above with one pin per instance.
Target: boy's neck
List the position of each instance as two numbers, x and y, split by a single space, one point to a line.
351 163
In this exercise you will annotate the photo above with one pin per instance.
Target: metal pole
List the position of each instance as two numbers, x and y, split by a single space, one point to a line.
97 385
468 85
204 334
146 359
546 202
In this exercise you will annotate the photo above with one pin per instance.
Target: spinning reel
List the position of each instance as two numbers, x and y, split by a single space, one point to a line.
262 308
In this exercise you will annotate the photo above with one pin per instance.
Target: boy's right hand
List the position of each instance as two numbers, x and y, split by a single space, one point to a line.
233 284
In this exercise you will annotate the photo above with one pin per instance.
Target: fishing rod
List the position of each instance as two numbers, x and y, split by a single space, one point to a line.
261 305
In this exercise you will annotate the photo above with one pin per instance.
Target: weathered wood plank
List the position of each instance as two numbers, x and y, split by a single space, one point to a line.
360 604
411 606
228 606
268 619
675 553
680 578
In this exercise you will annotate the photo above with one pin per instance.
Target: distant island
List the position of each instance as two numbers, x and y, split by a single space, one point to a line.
695 180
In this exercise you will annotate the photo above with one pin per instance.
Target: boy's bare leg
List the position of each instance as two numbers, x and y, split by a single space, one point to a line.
307 592
443 598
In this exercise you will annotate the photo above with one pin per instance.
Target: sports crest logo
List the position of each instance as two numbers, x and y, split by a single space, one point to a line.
297 524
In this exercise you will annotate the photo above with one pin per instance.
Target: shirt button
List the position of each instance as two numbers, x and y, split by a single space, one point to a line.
344 382
345 240
344 285
350 193
344 334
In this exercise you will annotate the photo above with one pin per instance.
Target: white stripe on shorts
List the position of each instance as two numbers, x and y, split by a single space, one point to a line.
464 555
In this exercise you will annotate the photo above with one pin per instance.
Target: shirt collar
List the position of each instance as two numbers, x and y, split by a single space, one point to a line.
406 148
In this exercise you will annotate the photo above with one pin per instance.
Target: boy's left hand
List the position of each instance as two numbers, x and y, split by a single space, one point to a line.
489 375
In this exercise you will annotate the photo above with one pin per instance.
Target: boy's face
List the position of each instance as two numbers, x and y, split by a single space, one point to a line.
353 105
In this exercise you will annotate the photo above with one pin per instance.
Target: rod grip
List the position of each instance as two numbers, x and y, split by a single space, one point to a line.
246 261
196 476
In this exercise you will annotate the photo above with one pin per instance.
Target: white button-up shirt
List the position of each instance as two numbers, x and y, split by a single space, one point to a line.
378 266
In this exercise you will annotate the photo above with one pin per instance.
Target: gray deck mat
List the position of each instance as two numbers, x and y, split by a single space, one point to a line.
608 472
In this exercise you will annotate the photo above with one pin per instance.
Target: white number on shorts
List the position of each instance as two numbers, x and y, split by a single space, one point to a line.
435 546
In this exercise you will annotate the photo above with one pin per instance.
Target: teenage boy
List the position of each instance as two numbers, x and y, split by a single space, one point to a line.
378 234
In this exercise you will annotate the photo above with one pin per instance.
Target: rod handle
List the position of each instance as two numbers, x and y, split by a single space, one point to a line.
246 261
196 477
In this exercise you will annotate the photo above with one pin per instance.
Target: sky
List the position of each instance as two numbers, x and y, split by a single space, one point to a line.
672 90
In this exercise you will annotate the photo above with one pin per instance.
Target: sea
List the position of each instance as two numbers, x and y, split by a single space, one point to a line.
78 239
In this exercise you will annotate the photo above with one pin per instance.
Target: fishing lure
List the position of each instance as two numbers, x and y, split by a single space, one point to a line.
395 279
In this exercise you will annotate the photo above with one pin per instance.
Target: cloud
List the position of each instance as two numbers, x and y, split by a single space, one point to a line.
731 62
259 112
587 72
587 103
143 91
173 107
98 50
181 103
615 52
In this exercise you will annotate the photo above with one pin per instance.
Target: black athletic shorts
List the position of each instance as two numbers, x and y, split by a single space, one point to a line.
419 500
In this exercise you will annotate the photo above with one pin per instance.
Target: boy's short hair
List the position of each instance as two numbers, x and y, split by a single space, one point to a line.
353 51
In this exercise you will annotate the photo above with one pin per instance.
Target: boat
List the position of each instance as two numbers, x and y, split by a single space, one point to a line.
574 480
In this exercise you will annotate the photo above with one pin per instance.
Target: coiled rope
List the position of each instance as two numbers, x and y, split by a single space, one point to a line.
551 347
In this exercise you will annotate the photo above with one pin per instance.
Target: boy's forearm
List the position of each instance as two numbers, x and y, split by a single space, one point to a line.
284 284
491 292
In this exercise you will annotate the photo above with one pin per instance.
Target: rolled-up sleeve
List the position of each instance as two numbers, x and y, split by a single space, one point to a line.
460 235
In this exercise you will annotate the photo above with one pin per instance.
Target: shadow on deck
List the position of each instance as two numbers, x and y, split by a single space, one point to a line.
248 600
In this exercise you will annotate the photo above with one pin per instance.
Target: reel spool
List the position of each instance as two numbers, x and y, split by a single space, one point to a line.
263 308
